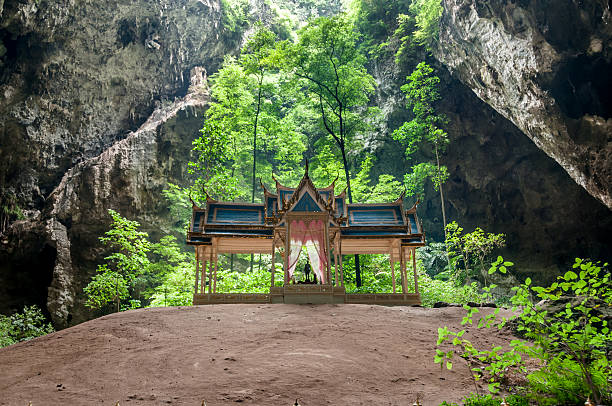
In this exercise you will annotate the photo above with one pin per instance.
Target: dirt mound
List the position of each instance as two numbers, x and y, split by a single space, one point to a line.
253 354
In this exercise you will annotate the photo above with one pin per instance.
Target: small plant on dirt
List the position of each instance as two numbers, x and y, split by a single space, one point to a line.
569 333
124 265
23 326
489 400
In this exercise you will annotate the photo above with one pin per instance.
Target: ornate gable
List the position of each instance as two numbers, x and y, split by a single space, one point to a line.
307 198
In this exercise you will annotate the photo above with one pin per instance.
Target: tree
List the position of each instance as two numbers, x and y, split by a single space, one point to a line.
127 261
427 15
331 68
174 268
421 94
327 60
472 249
385 190
223 135
256 60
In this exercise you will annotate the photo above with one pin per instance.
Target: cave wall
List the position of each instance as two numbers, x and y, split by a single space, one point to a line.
499 179
78 76
100 103
544 65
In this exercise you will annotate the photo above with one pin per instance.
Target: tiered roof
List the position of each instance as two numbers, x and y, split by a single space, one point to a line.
258 220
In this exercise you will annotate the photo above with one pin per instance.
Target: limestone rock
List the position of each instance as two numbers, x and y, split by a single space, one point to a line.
545 66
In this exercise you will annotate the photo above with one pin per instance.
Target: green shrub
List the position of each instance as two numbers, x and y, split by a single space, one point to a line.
488 400
23 326
569 332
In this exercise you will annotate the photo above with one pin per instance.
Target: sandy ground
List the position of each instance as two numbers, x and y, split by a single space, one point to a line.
251 354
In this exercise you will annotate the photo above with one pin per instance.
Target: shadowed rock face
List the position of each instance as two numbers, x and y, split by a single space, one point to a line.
500 181
545 66
88 108
78 76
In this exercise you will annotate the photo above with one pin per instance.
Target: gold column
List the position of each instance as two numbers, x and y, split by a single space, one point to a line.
286 259
340 260
197 270
215 278
392 262
416 283
336 281
403 270
210 269
273 270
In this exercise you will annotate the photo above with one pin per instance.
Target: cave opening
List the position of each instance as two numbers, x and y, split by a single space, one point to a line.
28 279
584 86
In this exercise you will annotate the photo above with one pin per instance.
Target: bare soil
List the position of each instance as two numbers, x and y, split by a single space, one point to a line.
250 354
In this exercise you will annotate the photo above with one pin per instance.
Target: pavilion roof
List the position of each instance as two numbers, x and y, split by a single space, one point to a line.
363 220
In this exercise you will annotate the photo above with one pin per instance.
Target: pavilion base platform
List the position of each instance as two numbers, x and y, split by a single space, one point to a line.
309 294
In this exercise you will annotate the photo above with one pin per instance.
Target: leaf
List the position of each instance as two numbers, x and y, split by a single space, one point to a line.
449 365
570 275
493 387
528 281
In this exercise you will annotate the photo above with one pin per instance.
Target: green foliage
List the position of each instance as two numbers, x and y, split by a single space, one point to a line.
234 15
127 261
434 259
23 326
387 189
375 19
421 94
407 48
376 277
251 281
9 209
250 130
470 251
105 287
489 400
138 272
416 180
427 18
179 205
175 269
424 130
330 67
568 331
437 290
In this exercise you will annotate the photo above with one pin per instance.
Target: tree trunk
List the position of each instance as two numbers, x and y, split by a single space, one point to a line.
350 196
255 151
443 210
255 139
441 193
117 293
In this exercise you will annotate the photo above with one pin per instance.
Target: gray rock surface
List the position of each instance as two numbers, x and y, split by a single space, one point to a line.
79 76
99 104
545 66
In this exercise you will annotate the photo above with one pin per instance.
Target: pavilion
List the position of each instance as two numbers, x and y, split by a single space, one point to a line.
318 219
